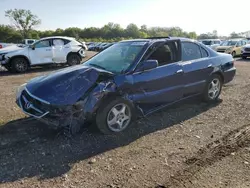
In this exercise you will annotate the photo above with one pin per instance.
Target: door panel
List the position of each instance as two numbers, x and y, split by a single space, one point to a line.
160 85
42 53
196 73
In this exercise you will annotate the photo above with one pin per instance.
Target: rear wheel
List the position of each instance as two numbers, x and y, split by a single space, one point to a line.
213 88
19 64
73 59
115 116
233 53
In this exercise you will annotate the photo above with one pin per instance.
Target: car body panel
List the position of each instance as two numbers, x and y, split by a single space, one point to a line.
87 88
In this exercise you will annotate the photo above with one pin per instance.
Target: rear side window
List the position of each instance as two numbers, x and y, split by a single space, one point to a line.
204 52
66 41
190 51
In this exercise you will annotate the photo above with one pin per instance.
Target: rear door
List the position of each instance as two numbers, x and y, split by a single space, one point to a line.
41 53
59 51
197 66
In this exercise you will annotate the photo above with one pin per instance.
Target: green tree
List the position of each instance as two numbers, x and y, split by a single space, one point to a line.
23 20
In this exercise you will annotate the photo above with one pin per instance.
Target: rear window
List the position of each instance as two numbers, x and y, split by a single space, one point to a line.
190 51
204 52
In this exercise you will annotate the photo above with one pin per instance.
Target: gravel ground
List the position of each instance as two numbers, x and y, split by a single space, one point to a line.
191 144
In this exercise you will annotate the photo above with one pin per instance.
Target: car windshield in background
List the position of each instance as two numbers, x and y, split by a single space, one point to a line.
207 42
228 43
118 57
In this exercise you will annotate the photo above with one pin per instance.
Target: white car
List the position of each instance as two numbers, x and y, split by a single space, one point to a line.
48 50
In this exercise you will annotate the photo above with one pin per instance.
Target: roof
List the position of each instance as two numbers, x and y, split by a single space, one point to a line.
236 39
158 39
61 37
209 39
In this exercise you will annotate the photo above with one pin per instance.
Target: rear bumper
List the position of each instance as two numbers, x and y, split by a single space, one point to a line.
229 75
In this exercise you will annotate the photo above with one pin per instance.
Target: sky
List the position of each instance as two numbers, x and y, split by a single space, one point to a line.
191 15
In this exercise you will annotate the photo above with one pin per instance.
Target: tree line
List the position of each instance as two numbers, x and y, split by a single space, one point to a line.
23 23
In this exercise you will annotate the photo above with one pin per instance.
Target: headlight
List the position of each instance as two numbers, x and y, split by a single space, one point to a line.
19 90
2 56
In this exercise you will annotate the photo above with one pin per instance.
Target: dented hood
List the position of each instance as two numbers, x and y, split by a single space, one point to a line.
66 86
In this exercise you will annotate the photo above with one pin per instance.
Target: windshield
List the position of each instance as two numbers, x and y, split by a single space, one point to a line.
228 43
118 57
207 42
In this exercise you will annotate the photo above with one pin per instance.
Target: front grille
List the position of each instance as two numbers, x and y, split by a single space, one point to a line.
31 105
247 49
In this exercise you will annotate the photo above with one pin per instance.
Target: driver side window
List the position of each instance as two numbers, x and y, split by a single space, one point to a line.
42 44
165 54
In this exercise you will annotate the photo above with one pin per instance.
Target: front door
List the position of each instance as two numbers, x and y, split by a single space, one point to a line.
41 53
160 85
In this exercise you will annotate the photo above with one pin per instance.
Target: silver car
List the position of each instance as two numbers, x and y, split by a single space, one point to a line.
212 43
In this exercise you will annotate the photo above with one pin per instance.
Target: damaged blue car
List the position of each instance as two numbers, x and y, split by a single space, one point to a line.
129 79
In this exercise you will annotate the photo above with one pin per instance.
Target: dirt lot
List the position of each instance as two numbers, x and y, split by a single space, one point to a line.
189 145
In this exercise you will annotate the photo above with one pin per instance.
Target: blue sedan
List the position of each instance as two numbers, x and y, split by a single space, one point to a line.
129 79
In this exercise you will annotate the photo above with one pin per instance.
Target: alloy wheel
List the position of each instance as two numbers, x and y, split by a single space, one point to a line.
119 117
214 88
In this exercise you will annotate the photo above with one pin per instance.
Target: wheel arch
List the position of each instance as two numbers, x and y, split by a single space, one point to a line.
92 106
18 56
219 73
73 53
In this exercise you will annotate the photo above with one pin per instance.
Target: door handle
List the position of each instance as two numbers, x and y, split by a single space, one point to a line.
210 65
179 71
48 50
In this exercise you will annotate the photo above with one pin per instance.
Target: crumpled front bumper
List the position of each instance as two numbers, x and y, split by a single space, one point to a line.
57 116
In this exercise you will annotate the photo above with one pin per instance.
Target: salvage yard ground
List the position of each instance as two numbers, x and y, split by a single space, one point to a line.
189 145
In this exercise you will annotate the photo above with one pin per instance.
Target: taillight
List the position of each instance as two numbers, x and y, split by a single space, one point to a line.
1 46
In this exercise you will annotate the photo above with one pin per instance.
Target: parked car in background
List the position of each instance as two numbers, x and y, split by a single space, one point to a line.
107 45
92 46
129 79
45 51
212 43
245 51
3 45
28 41
232 46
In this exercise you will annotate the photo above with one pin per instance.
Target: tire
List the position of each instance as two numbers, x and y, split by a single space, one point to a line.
73 59
19 65
243 57
207 94
107 120
233 53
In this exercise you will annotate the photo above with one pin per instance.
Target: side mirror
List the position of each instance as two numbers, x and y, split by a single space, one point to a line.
147 65
32 47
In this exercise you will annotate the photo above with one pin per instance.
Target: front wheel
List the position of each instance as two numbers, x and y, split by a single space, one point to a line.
19 64
213 88
115 116
243 57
